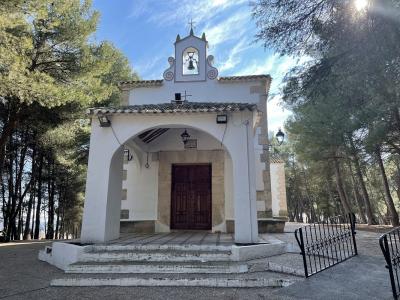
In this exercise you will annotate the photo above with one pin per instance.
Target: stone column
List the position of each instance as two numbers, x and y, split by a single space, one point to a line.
101 215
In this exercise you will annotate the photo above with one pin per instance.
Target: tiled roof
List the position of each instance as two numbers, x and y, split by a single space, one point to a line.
159 82
243 78
141 83
188 107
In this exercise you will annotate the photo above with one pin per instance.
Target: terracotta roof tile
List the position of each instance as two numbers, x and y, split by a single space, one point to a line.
141 83
243 78
159 82
276 159
188 107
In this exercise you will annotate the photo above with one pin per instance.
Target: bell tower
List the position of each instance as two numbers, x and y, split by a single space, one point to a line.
191 62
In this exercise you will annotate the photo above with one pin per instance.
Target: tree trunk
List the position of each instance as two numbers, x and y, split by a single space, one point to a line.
33 215
8 128
31 196
340 188
357 195
12 198
388 197
368 207
39 198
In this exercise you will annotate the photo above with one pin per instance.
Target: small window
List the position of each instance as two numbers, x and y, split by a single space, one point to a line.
190 61
124 214
124 194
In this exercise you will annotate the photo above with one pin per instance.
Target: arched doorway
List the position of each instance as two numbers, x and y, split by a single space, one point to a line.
224 147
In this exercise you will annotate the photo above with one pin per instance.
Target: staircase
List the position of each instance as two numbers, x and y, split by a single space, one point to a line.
169 265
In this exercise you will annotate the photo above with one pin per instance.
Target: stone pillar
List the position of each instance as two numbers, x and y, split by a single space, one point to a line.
263 141
101 215
245 205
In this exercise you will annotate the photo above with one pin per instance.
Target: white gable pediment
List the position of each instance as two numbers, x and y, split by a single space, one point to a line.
190 63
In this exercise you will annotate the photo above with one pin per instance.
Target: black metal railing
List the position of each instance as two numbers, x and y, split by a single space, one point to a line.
390 246
326 244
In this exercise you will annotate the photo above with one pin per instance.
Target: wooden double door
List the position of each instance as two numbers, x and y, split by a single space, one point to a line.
191 197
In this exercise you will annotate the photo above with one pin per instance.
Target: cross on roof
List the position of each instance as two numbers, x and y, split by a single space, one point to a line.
185 96
191 23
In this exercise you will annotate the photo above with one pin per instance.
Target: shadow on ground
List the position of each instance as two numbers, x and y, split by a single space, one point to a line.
23 276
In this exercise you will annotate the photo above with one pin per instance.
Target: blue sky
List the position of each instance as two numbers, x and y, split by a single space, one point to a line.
145 31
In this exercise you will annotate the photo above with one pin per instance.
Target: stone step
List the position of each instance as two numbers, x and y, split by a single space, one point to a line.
262 279
287 263
147 247
157 267
154 255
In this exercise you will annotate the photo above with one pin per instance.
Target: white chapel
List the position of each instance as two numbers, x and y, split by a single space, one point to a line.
188 151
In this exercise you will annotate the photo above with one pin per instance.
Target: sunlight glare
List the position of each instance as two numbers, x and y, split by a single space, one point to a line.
361 4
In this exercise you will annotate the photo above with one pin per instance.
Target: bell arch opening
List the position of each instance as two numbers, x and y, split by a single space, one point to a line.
190 61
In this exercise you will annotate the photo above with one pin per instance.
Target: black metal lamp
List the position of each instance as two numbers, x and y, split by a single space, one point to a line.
280 136
185 136
104 121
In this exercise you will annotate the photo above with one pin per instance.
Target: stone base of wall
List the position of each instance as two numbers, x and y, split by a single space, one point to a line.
267 225
271 225
137 227
264 214
230 226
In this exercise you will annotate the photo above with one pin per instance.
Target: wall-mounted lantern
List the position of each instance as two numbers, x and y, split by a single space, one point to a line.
280 136
185 136
222 119
128 154
104 121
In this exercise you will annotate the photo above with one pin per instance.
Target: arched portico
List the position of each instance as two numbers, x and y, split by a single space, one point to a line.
103 189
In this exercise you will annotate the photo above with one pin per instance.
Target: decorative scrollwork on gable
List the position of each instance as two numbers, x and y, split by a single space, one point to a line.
212 72
169 73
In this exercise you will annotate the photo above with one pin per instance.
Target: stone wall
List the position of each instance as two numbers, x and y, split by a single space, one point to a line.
279 189
166 159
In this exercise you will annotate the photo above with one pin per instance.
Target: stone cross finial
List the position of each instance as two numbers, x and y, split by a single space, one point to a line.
191 23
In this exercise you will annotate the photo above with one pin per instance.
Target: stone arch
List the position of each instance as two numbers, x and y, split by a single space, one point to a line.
101 211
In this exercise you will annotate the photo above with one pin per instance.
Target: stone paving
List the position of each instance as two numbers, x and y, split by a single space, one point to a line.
23 276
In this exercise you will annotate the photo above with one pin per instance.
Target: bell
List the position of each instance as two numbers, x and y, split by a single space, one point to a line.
190 66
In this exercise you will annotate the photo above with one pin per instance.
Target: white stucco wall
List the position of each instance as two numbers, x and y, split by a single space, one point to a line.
101 216
142 183
203 91
142 190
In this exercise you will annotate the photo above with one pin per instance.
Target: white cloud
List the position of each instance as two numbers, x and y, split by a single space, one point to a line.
180 11
151 69
232 28
234 58
277 115
257 68
138 9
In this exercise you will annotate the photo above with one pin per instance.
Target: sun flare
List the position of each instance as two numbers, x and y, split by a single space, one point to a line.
361 4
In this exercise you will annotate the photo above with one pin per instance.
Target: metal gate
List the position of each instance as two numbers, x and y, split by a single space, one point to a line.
326 244
390 246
